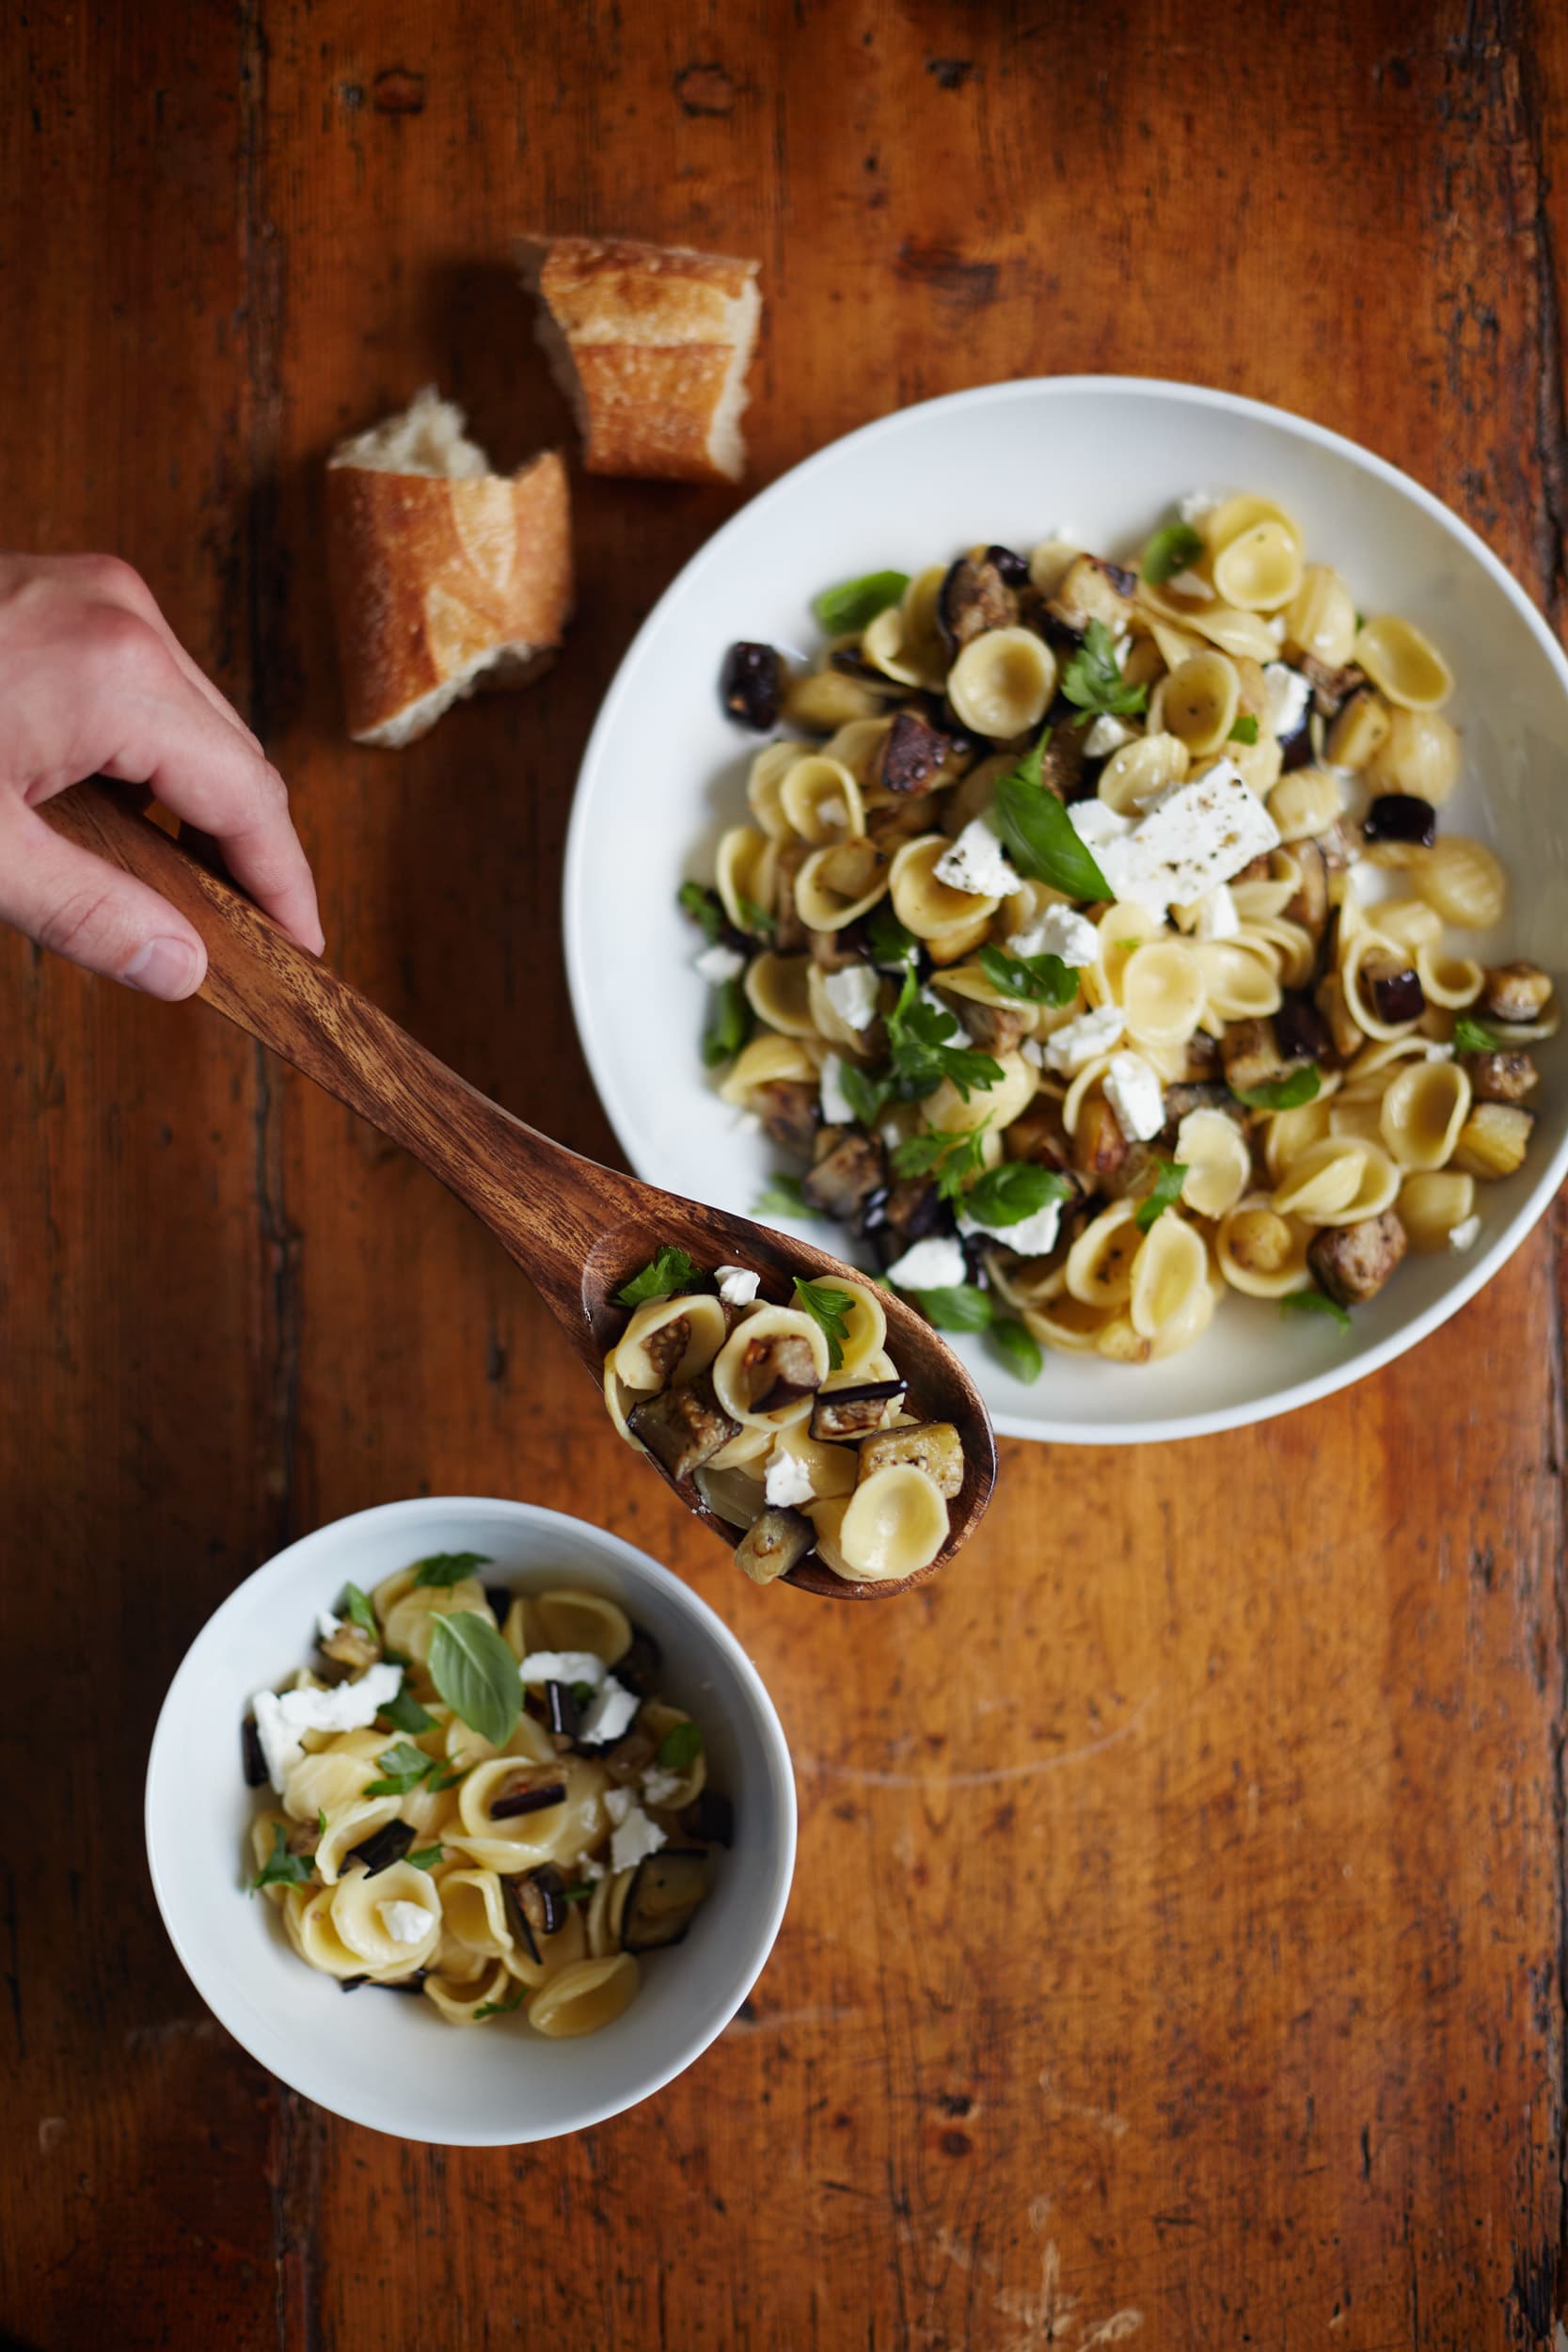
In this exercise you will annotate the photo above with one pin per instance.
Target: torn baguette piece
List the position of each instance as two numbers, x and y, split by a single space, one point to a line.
443 574
651 344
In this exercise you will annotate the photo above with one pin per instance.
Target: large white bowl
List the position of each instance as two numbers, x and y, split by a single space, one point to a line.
391 2062
1104 455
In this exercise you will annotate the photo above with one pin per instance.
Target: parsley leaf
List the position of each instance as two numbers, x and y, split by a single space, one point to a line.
755 919
705 908
682 1744
1474 1037
427 1857
729 1024
1171 551
918 1033
403 1766
1093 682
892 946
1166 1193
321 1822
1006 1195
448 1568
578 1894
405 1713
856 602
1244 730
500 2008
953 1158
1038 979
357 1610
281 1867
1282 1094
1018 1348
829 1309
956 1307
1037 834
782 1196
1314 1303
670 1271
864 1093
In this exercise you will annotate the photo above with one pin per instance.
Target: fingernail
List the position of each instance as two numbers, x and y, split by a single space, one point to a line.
165 967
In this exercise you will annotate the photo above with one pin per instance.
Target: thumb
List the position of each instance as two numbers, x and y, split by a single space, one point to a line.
76 905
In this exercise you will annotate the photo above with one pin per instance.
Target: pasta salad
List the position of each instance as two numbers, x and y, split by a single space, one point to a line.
1095 947
478 1796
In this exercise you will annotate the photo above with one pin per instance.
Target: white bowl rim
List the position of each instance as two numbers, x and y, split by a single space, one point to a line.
575 881
411 1511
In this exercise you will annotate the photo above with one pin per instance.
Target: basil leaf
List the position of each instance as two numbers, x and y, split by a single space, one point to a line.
1006 1195
405 1713
1314 1303
1474 1037
670 1271
682 1744
1037 835
1282 1094
501 2009
705 908
957 1307
729 1024
355 1607
1038 979
281 1867
864 1095
782 1196
1244 730
856 602
1092 680
448 1567
1166 1193
1018 1348
476 1675
427 1857
892 946
829 1309
1173 549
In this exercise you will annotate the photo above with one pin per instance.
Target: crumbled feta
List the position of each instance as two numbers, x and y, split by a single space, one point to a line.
787 1481
608 1714
1097 822
836 1108
658 1785
593 1872
892 1134
1121 646
1190 837
1214 915
283 1716
1031 1237
1107 735
1276 629
1032 1050
617 1804
833 812
1438 1053
1191 584
1287 696
406 1923
936 1265
746 1124
326 1624
1134 1092
1061 930
1196 504
977 862
632 1840
718 963
562 1665
852 995
738 1284
1463 1235
1071 1047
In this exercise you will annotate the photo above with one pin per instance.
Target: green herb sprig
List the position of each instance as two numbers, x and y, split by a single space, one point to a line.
922 1053
670 1270
1037 834
855 603
782 1196
446 1568
1037 980
1244 730
682 1744
956 1307
1168 1180
476 1674
729 1024
1093 680
951 1159
355 1607
1471 1036
1315 1303
500 2008
830 1309
1173 549
1018 1348
281 1867
1005 1196
1283 1094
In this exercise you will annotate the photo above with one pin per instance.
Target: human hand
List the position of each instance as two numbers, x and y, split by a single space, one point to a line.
93 681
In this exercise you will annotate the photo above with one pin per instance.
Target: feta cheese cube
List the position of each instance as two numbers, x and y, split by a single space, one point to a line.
1194 836
852 995
658 1785
718 963
1107 735
1032 1050
609 1713
1214 915
738 1284
632 1840
1289 695
406 1923
1061 930
326 1624
1196 504
1464 1234
787 1481
283 1716
936 1265
1031 1237
977 862
1191 584
834 811
562 1665
1109 837
1070 1048
1134 1092
617 1804
836 1109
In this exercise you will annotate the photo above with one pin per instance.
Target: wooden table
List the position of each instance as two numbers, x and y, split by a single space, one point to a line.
1175 1951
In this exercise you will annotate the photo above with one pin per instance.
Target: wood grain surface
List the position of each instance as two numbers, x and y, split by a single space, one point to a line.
1176 1951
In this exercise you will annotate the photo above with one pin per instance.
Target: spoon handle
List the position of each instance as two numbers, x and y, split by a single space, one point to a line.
544 1204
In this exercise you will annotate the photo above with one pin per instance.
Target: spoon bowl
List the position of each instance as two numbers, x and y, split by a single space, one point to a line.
580 1232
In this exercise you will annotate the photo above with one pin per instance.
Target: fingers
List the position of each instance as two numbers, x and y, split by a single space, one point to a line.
110 579
78 906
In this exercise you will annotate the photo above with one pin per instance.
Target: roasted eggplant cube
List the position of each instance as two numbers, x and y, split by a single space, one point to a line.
908 759
665 1347
1391 983
1493 1140
683 1426
783 1369
1180 1100
774 1544
1300 1030
1351 1263
1400 816
849 1177
638 1669
351 1647
752 683
1092 590
994 1028
1516 992
976 596
710 1816
663 1898
1504 1077
790 1113
1039 1133
1309 907
1331 685
385 1847
933 1446
525 1792
841 1415
1343 1028
1100 1145
251 1757
914 1210
1252 1056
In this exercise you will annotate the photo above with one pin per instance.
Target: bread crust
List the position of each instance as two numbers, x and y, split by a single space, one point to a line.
430 576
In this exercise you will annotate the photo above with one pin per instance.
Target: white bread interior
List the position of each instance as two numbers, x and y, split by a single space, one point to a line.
426 437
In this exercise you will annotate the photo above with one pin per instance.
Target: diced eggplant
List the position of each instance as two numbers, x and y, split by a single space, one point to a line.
850 663
849 1179
1202 1061
351 1647
994 1028
411 1983
1400 816
962 744
1309 906
1251 1055
1098 1145
1493 1140
512 1898
1295 749
791 933
1351 1263
1093 590
499 1599
563 1715
790 1111
1013 567
525 1791
683 1425
1516 992
974 597
839 1416
663 1898
1331 686
910 756
667 1345
751 684
1329 998
1064 769
1300 1031
638 1669
1133 1174
774 1544
381 1850
710 1816
1503 1076
783 1369
1390 981
1203 1096
913 1211
933 1446
251 1757
1039 1135
541 1900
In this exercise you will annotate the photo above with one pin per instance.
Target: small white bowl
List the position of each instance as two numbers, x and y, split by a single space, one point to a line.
1103 457
391 2062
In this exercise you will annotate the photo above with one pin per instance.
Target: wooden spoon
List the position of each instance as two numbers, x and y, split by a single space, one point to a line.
578 1231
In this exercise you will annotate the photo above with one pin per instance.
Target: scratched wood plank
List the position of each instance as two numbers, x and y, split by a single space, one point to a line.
1172 1954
